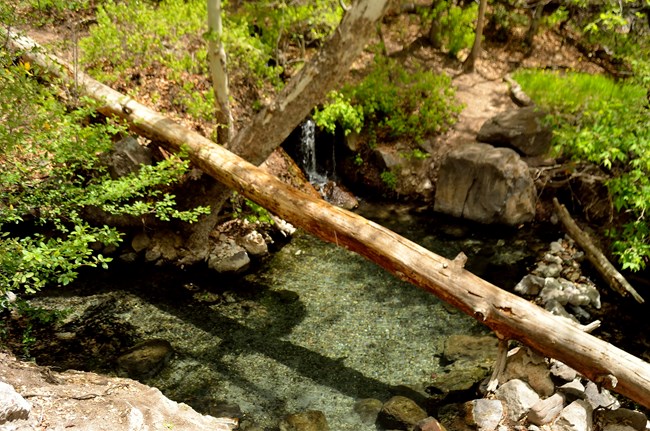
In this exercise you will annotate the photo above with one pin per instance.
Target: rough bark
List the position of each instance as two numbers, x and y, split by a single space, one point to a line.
614 278
470 61
509 316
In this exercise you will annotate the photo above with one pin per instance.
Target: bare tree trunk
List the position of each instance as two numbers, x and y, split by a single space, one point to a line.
434 30
274 123
509 316
534 24
322 74
219 74
468 65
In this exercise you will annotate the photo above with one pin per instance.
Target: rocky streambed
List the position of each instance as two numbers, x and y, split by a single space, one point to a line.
318 338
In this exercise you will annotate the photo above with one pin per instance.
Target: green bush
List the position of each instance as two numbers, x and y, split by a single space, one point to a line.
456 25
339 112
397 103
135 34
606 123
390 179
283 22
50 172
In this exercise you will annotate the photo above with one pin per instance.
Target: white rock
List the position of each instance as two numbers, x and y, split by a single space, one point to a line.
575 417
562 371
530 285
600 398
485 414
518 398
546 410
12 405
530 367
254 243
574 389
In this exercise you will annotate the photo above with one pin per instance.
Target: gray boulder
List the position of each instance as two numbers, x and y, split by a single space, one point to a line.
520 129
486 184
228 257
127 157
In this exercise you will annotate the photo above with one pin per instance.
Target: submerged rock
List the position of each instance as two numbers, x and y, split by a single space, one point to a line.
400 413
313 420
368 409
145 359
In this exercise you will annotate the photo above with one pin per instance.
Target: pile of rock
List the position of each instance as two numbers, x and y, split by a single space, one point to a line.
558 284
538 394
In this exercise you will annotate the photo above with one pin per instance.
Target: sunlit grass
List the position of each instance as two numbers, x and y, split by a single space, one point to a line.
571 92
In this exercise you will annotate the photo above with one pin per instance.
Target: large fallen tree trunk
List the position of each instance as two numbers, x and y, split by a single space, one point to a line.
509 316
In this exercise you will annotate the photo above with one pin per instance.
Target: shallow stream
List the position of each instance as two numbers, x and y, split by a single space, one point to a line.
314 328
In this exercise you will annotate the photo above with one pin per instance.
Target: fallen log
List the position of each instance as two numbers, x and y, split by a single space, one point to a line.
510 316
604 267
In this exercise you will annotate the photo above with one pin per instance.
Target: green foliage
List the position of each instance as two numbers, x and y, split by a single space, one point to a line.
51 171
574 92
397 103
281 22
339 112
390 179
456 25
246 209
416 154
135 34
606 123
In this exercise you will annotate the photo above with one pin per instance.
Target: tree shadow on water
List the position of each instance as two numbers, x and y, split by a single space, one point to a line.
246 319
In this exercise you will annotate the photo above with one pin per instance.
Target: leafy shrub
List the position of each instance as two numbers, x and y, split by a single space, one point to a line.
138 34
606 123
390 179
456 25
339 112
398 103
50 171
282 22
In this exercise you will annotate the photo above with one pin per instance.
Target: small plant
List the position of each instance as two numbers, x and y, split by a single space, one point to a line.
339 112
456 25
248 210
358 160
390 179
416 154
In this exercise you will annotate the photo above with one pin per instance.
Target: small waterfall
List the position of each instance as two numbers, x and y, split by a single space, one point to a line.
308 151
